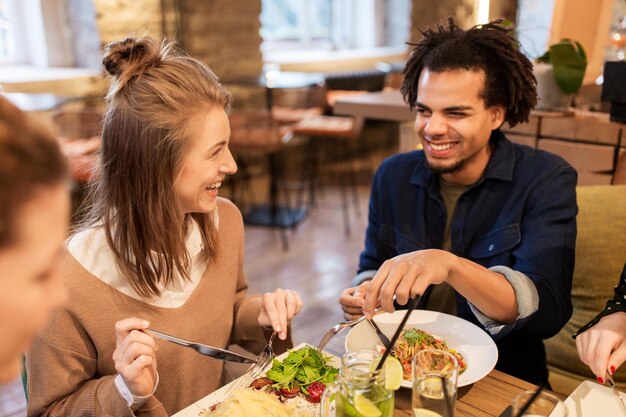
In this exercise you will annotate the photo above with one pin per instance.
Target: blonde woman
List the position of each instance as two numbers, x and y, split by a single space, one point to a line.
34 214
160 250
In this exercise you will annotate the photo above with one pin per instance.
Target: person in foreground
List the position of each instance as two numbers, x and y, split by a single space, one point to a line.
483 228
34 215
601 343
159 249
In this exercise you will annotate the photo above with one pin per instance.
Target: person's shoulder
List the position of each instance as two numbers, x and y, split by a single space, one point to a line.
400 162
227 207
540 159
228 213
405 157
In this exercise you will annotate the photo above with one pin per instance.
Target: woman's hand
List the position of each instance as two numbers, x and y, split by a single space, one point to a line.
134 357
352 301
603 346
277 310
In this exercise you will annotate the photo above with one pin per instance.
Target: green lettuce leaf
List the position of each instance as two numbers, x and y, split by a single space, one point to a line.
301 368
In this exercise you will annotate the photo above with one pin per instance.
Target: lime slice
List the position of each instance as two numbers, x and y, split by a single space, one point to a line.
365 407
422 412
394 374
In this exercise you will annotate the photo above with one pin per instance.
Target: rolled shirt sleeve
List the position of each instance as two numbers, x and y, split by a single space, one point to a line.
526 296
363 276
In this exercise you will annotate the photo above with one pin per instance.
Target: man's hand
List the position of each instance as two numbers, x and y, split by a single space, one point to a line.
407 276
352 301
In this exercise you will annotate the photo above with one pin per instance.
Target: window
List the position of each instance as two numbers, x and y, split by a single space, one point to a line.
534 18
7 34
296 22
334 24
49 33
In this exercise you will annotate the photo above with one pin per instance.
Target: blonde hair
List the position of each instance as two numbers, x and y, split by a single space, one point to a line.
154 91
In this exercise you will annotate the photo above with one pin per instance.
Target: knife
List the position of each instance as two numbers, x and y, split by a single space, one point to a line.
609 380
379 332
213 352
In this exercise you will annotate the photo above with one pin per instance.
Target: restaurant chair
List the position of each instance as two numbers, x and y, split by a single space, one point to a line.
78 132
256 133
393 74
339 137
293 105
600 256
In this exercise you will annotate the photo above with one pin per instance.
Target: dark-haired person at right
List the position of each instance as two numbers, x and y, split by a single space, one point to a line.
481 227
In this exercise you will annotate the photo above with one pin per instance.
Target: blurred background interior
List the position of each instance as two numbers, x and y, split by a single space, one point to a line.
316 108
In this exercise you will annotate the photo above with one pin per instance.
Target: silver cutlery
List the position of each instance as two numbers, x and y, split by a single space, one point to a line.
262 362
213 352
336 329
379 332
609 380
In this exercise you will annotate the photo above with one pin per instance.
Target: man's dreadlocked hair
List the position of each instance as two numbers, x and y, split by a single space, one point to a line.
509 79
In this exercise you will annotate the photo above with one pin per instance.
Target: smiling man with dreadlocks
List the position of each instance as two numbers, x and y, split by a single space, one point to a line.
483 228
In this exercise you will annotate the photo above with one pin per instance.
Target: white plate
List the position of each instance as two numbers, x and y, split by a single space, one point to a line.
591 399
476 346
217 396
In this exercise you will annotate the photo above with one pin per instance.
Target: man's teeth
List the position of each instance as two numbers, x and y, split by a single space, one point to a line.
442 147
214 187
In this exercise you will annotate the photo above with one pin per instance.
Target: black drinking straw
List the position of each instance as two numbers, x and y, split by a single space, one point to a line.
410 307
521 412
446 394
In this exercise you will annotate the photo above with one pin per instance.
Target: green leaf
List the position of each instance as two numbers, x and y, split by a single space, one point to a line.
569 62
301 368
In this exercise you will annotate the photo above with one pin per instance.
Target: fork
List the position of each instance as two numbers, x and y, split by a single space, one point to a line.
336 329
263 361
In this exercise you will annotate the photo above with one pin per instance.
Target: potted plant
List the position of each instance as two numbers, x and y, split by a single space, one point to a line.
559 72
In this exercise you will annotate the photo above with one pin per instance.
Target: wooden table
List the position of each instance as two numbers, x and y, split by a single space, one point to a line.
384 105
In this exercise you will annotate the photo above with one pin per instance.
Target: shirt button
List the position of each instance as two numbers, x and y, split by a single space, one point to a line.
491 248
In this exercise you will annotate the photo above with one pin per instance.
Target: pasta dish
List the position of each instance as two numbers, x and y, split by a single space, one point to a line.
412 340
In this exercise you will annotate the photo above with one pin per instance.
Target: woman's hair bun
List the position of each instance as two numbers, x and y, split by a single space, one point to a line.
131 57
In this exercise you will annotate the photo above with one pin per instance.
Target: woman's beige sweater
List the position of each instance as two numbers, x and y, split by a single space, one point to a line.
70 366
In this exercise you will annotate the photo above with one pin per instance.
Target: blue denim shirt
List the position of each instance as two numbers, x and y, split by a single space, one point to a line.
521 214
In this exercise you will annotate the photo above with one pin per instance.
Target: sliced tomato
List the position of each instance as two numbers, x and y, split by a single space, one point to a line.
316 389
290 392
261 382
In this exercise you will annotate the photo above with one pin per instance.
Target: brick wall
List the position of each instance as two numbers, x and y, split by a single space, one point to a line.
117 19
224 34
428 13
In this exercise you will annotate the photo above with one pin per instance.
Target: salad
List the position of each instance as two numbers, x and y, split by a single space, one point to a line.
305 371
412 340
